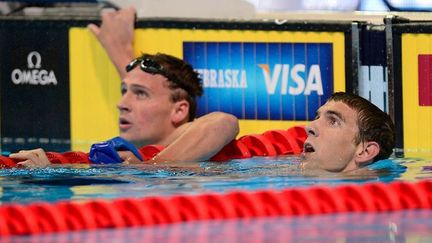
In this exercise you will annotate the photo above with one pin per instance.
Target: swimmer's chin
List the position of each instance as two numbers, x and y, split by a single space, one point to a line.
307 165
306 161
312 168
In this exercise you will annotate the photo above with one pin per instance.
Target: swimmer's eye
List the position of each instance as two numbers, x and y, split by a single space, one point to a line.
334 121
139 92
123 90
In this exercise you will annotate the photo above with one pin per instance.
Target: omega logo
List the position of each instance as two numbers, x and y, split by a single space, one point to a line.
35 75
37 63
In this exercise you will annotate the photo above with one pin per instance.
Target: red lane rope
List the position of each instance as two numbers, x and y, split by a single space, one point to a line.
270 143
35 218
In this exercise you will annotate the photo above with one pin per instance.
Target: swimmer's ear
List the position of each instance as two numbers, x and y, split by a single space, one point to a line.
367 152
180 112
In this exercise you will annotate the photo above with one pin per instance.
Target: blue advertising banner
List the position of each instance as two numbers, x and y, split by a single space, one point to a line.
263 81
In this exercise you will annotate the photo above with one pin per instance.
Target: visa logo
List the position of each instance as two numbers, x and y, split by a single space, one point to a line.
291 78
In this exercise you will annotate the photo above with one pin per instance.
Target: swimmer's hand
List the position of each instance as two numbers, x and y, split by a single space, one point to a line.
129 158
116 29
116 35
35 158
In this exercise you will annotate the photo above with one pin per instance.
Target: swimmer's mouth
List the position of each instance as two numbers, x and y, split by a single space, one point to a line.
124 122
308 148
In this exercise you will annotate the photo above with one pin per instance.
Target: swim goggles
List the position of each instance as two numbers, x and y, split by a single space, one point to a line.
150 66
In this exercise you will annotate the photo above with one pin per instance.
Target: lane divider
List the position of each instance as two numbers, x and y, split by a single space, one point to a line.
43 217
270 143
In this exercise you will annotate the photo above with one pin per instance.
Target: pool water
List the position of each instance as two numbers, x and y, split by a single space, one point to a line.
81 182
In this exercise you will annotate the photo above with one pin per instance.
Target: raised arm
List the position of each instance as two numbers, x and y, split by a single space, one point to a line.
116 34
201 139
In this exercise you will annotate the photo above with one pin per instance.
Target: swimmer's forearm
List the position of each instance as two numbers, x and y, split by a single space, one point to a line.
202 139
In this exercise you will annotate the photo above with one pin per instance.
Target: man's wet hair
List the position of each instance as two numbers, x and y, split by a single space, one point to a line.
373 123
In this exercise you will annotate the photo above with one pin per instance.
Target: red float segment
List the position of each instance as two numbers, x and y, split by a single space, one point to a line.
279 140
236 149
20 219
356 199
258 145
246 205
217 207
56 158
77 216
387 199
150 151
328 200
299 136
105 214
133 212
162 210
5 223
190 210
413 197
77 157
273 203
283 142
298 132
6 162
299 202
48 217
426 185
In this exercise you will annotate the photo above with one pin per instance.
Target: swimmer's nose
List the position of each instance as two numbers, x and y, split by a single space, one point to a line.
310 130
122 105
